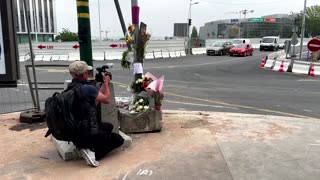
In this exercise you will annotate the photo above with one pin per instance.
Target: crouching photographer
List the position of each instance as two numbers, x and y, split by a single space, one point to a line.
95 139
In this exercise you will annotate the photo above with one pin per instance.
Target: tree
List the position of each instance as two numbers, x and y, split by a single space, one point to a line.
313 20
67 35
194 33
233 32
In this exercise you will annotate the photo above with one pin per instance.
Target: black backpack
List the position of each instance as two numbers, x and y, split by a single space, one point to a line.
60 121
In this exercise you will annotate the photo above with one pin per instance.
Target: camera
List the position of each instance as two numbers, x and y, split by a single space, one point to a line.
103 70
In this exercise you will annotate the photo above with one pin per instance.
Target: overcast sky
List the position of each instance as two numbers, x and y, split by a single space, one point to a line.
160 15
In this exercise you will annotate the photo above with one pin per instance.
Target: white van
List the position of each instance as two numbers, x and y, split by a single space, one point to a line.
270 43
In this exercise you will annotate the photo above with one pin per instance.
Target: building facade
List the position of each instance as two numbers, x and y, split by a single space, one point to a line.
271 25
43 20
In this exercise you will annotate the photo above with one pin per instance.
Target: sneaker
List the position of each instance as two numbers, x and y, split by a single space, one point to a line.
89 156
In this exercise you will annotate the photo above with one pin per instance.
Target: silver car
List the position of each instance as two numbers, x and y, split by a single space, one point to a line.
219 48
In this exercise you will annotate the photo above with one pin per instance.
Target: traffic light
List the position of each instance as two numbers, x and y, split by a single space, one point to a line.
189 22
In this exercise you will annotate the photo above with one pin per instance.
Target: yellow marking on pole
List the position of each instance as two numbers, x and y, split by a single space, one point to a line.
233 105
83 15
82 3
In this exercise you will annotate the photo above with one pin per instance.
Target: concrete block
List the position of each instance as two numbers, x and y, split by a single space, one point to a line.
109 112
127 140
148 121
67 150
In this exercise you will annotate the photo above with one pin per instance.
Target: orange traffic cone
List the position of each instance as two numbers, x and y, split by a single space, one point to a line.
263 62
312 70
281 67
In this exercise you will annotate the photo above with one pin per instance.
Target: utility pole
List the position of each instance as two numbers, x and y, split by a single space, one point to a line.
135 10
84 32
303 27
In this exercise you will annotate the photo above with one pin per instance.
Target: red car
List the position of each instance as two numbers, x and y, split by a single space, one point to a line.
241 50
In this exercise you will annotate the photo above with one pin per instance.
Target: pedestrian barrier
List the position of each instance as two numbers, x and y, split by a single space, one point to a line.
55 57
269 63
74 56
46 58
115 55
197 51
165 54
157 54
38 57
277 55
301 67
178 54
149 55
183 53
98 56
281 65
64 57
172 54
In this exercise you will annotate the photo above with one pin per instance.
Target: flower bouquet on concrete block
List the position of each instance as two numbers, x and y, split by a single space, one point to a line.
155 89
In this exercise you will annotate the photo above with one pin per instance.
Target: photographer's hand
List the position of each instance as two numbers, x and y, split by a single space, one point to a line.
106 79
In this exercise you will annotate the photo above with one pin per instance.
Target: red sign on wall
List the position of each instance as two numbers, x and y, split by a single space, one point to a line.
270 20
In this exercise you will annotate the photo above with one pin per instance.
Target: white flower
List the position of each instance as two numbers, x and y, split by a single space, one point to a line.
134 106
146 107
137 81
139 108
137 103
142 76
141 101
140 80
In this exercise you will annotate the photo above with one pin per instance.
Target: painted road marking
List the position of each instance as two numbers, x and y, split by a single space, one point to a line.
233 105
204 105
308 80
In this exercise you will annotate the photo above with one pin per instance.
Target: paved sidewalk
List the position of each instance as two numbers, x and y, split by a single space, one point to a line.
192 145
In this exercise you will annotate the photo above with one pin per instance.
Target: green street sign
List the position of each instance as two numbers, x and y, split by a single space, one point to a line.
256 20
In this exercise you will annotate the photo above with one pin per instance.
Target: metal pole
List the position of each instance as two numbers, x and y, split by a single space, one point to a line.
135 10
239 25
189 18
27 10
123 25
99 20
303 27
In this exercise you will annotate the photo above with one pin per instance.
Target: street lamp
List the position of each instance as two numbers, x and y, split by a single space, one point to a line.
99 20
244 12
189 24
303 27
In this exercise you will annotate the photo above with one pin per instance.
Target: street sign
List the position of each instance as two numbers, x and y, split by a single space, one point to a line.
270 20
234 20
76 46
314 45
294 39
9 58
118 45
256 20
41 46
45 47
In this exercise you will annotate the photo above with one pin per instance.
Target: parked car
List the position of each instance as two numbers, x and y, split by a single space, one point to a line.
219 48
241 50
270 43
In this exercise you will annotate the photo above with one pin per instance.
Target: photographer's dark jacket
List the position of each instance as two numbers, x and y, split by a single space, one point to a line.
84 111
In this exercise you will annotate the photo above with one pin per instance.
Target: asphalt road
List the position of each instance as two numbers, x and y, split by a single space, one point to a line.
202 83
